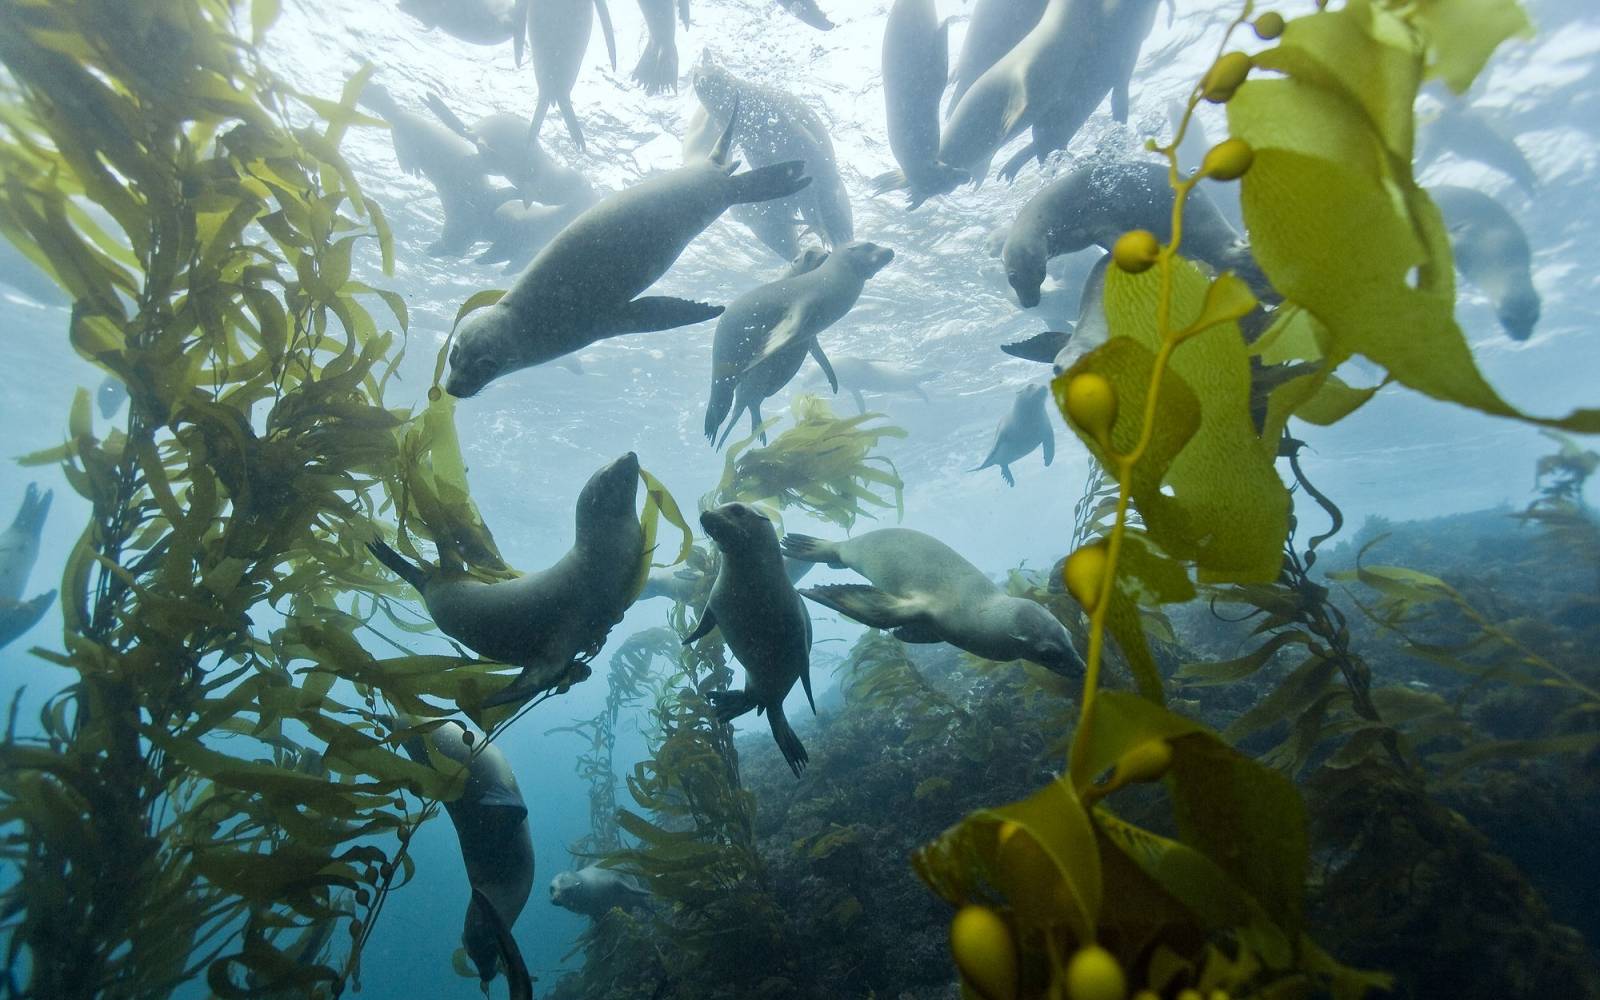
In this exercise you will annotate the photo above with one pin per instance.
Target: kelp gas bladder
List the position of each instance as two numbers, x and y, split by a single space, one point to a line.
1057 895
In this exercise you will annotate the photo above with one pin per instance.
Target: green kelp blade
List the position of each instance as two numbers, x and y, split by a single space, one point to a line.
433 482
1040 852
475 301
1463 34
658 503
1332 208
1223 505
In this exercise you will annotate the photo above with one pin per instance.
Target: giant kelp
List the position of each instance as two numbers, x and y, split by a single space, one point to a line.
199 801
1056 891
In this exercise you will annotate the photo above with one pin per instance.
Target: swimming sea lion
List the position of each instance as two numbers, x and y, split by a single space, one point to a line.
1492 253
581 286
657 70
593 891
19 550
491 822
1025 428
481 22
1103 63
859 375
426 148
505 148
763 620
916 55
809 12
774 127
559 31
994 28
925 592
1096 204
775 223
551 621
766 333
1062 349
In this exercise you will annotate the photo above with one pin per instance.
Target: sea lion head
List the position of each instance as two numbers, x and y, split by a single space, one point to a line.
1518 313
566 891
1024 254
713 84
609 494
866 259
1035 392
481 352
736 526
1046 641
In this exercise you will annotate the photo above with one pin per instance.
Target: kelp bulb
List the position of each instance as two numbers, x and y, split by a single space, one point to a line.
469 738
1092 405
1224 77
1227 160
1146 762
1136 250
1269 25
983 949
1093 974
1085 574
1147 995
1189 994
1217 995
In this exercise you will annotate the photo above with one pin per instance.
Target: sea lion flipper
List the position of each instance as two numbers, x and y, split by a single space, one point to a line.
1119 100
518 981
807 549
776 180
708 621
450 119
1041 347
650 313
606 30
787 331
861 401
519 30
805 682
1005 473
398 564
868 605
827 368
570 116
1049 443
16 617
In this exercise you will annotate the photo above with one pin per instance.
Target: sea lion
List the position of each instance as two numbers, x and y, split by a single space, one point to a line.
559 31
925 592
1062 348
690 584
1096 204
1025 428
19 550
1466 133
775 223
763 620
581 286
994 28
916 57
861 375
481 22
1492 253
424 147
766 333
551 621
518 232
657 70
809 12
774 127
491 821
1105 58
593 891
506 149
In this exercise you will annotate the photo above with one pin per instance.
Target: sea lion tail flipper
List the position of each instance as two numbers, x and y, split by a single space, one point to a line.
650 313
609 32
827 368
868 605
570 116
861 401
1041 347
1014 166
519 30
805 680
717 407
794 752
812 550
683 13
398 564
35 506
1005 473
731 704
893 180
518 981
657 69
708 621
777 180
16 618
1049 443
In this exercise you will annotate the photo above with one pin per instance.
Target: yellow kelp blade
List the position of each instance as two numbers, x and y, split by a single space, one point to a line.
658 503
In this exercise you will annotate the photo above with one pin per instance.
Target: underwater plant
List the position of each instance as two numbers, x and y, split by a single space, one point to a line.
1056 894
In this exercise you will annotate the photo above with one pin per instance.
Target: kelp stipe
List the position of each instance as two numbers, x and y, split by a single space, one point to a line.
1051 884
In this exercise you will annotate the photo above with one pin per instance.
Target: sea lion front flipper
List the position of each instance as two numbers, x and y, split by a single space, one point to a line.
450 119
805 548
788 330
827 368
868 605
1041 347
609 33
861 401
16 617
708 621
1049 443
650 313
